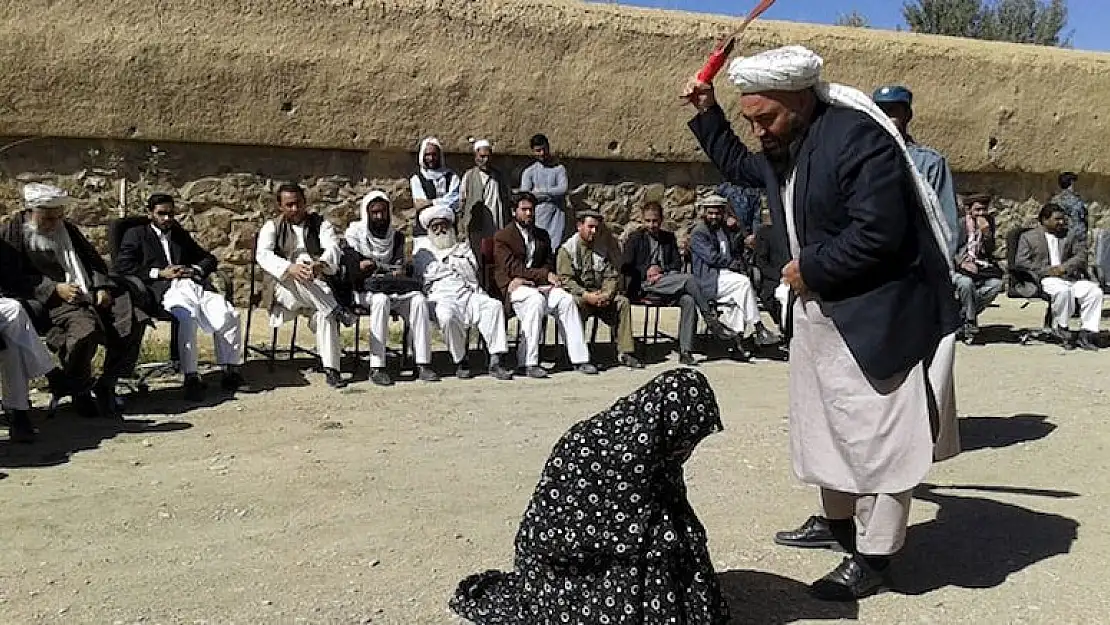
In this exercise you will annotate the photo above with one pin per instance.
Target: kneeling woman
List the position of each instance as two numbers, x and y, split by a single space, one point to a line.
609 536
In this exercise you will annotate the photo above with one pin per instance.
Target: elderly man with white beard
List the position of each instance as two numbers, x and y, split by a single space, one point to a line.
374 257
449 272
86 307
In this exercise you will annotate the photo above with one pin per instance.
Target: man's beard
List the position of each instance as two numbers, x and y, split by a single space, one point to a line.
40 240
781 156
443 242
379 229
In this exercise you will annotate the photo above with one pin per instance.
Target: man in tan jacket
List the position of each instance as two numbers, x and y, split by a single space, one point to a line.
588 273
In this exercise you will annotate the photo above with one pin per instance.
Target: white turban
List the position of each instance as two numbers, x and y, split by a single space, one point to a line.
792 68
482 143
434 212
711 200
36 195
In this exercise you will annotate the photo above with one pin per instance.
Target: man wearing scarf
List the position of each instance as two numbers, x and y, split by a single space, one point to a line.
485 198
175 268
449 271
298 251
872 401
81 303
376 249
433 182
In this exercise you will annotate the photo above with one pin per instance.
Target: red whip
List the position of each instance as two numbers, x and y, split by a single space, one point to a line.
720 53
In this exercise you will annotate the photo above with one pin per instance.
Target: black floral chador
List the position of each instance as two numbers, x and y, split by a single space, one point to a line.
609 537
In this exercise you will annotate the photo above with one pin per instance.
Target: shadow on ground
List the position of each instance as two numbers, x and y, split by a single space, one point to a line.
63 436
975 542
760 598
997 432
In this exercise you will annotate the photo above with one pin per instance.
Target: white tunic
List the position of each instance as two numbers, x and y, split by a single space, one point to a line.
852 433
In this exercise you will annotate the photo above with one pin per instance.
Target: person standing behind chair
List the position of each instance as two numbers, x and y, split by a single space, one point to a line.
547 181
1059 261
653 264
485 199
175 269
1074 206
298 250
433 182
977 276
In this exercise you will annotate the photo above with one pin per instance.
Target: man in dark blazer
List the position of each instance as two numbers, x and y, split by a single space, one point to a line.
175 268
78 303
871 356
524 274
1058 261
653 265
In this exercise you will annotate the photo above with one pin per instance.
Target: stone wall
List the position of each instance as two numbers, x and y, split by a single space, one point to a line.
226 192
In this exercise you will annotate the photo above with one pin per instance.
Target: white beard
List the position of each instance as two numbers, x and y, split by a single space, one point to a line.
443 242
40 241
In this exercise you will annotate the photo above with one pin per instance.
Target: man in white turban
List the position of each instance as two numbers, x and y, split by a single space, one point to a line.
449 272
374 257
871 396
485 198
81 303
433 182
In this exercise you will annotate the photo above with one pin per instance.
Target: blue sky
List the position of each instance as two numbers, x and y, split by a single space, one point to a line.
1090 19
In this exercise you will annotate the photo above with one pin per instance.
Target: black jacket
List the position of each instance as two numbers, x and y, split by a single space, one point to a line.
637 258
140 251
866 248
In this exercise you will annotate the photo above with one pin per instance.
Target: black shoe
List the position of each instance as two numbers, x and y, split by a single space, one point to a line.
193 388
334 378
969 332
631 361
427 374
852 580
815 533
499 372
107 406
232 381
462 370
85 406
1087 341
380 377
344 316
586 369
62 386
764 337
686 359
536 373
740 353
1067 341
20 428
720 330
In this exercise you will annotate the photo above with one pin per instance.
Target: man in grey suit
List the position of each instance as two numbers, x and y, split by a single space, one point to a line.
1059 262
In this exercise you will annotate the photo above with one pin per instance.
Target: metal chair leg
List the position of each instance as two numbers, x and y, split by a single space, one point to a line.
273 350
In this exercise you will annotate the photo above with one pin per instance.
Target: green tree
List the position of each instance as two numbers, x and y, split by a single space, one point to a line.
1022 21
855 19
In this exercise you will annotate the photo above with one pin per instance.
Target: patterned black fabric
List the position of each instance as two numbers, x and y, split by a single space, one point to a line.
609 537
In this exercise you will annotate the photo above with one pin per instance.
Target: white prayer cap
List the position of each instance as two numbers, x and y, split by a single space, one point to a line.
792 68
712 200
482 143
434 212
37 195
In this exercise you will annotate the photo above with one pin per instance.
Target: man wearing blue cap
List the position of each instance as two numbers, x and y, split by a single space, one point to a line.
897 102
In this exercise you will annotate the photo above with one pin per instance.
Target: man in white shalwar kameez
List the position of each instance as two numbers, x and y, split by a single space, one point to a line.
375 250
298 250
23 357
174 268
449 271
871 396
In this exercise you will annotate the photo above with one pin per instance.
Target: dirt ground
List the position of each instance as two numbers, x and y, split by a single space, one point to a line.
300 504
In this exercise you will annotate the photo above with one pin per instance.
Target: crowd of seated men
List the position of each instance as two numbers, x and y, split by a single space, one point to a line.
60 301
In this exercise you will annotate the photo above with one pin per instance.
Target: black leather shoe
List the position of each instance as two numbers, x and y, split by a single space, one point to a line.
686 359
334 378
463 371
20 428
193 389
815 533
427 374
380 377
852 580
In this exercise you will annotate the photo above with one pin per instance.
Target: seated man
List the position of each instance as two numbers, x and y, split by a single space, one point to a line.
719 267
449 271
174 267
524 273
85 307
774 294
433 182
1059 262
374 258
297 251
977 278
653 264
589 275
